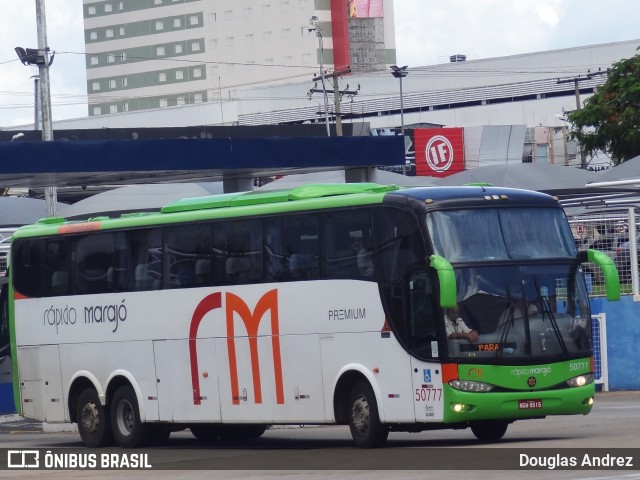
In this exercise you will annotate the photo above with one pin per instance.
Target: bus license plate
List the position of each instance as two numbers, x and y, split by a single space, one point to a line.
529 404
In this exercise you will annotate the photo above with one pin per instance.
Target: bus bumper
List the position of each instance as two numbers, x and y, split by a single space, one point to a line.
462 406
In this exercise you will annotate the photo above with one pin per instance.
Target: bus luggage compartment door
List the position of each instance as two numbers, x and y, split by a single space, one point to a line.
40 383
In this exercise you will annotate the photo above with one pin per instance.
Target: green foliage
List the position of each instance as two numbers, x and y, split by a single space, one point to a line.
610 119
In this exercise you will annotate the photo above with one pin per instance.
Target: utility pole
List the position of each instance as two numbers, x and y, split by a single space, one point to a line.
337 94
576 81
50 193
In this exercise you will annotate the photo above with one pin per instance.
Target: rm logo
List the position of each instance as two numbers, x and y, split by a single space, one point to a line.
251 320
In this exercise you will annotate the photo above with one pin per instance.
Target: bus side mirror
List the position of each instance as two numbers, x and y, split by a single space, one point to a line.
609 271
446 279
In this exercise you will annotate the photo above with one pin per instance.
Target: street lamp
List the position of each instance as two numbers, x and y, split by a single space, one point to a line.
401 72
315 26
40 58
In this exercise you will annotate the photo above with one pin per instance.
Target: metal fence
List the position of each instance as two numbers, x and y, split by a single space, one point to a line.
611 233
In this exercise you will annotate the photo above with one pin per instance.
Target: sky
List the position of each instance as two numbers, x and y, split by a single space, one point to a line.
427 32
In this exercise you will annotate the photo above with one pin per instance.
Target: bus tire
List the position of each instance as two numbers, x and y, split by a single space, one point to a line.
489 430
128 429
241 432
93 420
205 432
364 422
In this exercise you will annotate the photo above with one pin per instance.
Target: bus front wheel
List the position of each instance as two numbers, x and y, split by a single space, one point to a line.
93 420
128 429
489 430
364 422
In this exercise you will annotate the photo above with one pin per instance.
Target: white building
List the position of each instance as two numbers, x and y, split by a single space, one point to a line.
152 54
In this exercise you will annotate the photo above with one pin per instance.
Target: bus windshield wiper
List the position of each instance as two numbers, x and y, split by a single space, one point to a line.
546 308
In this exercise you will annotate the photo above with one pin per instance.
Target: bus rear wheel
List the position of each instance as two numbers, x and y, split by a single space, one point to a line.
364 422
93 420
128 429
489 430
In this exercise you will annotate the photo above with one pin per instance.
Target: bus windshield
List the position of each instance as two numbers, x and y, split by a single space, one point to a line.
524 312
500 234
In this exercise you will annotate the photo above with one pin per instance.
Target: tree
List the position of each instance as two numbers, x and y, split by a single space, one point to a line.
610 119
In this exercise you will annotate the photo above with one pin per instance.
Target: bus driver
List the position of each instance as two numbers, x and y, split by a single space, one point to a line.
456 328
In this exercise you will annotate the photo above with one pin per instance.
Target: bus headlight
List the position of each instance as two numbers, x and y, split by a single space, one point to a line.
580 380
470 386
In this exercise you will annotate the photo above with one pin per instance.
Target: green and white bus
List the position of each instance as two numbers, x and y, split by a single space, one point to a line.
323 304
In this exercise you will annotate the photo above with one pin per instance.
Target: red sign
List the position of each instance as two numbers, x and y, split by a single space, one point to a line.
439 151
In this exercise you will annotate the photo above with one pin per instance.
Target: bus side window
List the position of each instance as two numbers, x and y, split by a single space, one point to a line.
145 248
93 263
56 267
243 245
348 244
28 253
185 244
302 242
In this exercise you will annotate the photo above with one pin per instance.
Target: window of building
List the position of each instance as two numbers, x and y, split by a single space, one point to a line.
159 25
197 98
97 110
121 31
95 86
197 72
95 60
228 41
212 17
178 48
112 84
194 20
125 107
123 57
228 14
248 12
195 46
266 9
180 100
286 33
248 38
179 74
91 10
177 23
109 33
213 43
164 102
93 35
267 35
108 7
111 58
284 6
157 2
162 77
113 108
125 82
120 5
160 51
303 4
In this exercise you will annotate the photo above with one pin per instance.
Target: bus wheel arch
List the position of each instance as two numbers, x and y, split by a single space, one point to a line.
128 428
81 382
342 392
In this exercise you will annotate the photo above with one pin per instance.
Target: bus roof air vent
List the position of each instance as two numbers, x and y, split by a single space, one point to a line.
304 192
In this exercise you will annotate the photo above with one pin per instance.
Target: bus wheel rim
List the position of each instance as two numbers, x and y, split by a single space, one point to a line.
360 414
126 417
90 417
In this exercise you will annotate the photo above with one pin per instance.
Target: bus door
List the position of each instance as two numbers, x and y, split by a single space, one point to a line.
422 339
